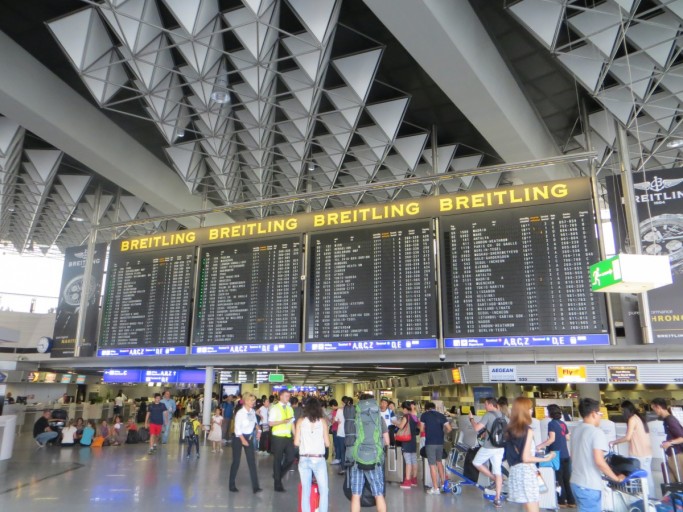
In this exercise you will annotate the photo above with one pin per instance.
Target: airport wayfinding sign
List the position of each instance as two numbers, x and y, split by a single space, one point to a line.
502 373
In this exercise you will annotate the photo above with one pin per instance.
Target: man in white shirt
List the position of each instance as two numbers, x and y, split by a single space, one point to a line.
64 399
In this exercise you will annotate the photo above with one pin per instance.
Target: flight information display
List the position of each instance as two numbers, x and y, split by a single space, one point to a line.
249 297
519 277
372 288
147 303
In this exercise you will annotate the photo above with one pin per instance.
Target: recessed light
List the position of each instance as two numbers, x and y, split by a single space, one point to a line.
77 219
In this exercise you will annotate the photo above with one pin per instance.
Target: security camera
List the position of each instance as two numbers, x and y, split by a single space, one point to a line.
442 357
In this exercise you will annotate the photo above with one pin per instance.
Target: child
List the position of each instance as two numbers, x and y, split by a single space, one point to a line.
216 432
193 436
68 434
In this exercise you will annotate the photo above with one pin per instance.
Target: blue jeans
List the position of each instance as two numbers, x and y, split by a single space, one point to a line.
165 430
309 466
44 437
340 448
587 500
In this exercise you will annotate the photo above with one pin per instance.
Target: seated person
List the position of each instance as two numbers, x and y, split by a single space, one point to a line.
88 433
80 425
132 426
68 434
104 429
42 432
118 433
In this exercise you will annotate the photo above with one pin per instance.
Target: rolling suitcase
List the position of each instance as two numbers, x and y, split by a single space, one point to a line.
315 497
548 500
673 481
394 465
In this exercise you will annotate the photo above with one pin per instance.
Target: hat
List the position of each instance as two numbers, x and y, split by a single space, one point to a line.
384 399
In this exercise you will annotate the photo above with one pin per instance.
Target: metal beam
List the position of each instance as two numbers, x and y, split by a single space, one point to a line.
449 42
34 97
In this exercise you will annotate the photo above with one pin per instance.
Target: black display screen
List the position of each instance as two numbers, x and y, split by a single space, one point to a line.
521 271
372 284
249 293
147 299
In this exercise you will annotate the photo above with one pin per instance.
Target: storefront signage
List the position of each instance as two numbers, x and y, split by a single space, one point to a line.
622 374
456 375
571 374
502 373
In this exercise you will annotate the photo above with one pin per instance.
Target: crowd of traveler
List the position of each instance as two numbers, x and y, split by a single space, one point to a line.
304 432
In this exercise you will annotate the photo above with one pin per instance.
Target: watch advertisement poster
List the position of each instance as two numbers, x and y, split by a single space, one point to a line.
71 298
659 205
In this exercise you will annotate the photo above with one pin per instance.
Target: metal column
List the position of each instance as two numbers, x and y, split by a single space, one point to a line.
632 225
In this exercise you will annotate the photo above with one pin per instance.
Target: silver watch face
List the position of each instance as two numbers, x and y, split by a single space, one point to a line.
663 235
72 291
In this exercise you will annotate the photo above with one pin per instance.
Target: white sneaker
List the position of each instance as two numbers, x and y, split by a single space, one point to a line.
335 461
434 490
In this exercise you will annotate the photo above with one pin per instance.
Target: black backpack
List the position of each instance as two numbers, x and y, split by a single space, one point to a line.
496 435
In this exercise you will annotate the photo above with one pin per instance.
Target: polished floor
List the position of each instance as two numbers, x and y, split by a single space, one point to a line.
127 479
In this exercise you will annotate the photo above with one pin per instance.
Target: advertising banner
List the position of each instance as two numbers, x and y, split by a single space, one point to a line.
502 373
659 204
70 300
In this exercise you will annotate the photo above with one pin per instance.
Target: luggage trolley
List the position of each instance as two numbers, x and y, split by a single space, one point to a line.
633 493
460 465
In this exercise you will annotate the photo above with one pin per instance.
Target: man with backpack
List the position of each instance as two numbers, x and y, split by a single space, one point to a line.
492 429
371 436
435 425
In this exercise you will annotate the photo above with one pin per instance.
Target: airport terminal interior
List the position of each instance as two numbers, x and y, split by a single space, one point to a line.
393 209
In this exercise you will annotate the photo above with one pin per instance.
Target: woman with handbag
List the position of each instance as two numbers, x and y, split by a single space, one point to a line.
638 439
312 438
523 484
407 436
558 438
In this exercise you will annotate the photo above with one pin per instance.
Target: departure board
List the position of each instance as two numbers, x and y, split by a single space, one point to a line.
372 289
147 302
519 277
249 293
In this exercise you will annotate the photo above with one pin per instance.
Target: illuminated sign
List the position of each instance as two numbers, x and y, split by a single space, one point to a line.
80 379
622 374
420 208
568 374
263 348
358 346
138 352
155 376
456 375
553 340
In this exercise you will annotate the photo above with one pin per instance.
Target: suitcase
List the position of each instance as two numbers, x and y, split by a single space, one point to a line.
394 465
548 500
426 475
183 423
143 433
315 497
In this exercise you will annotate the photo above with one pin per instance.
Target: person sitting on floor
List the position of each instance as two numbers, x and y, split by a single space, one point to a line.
42 432
68 434
88 433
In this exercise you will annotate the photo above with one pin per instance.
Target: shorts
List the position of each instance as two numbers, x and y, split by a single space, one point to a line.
154 429
410 458
523 484
434 453
375 478
495 455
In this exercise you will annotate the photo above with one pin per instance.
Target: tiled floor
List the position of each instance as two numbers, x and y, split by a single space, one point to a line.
127 479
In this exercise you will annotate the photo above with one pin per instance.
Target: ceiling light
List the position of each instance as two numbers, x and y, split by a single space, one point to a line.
674 143
220 93
180 133
311 167
10 209
78 219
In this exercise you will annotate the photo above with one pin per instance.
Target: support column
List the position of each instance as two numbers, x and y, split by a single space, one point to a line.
632 225
209 378
589 391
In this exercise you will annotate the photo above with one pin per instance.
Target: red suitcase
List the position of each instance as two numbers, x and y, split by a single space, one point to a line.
315 497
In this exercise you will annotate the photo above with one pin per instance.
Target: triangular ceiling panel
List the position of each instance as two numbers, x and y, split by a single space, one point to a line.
541 17
388 115
586 64
318 16
410 148
359 70
600 26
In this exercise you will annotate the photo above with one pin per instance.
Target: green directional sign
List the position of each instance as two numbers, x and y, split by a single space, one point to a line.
605 273
276 377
